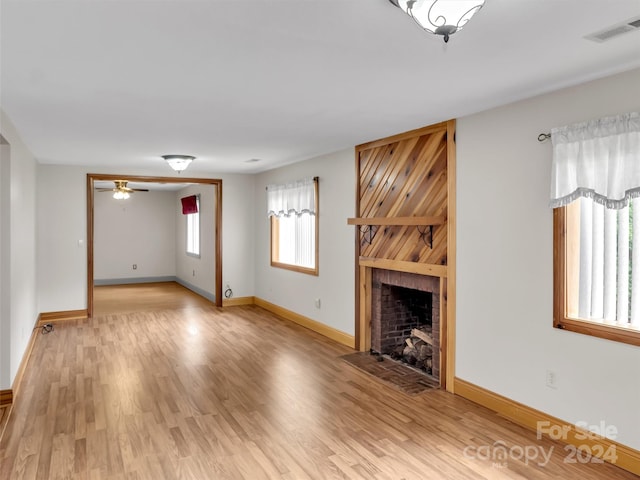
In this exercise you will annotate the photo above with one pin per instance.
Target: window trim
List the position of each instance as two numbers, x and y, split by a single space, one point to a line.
187 252
274 238
610 331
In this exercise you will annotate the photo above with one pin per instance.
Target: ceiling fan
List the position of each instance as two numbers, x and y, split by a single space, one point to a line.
121 191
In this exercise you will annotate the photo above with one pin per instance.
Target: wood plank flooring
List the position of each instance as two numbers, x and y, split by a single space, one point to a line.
3 412
135 297
198 392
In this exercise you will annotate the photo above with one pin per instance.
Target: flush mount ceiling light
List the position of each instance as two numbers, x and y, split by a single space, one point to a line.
440 17
178 162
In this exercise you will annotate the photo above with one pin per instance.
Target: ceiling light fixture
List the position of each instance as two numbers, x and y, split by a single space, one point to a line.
178 162
440 17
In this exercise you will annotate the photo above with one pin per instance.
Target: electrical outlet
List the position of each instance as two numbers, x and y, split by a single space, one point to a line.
194 273
135 266
551 379
317 302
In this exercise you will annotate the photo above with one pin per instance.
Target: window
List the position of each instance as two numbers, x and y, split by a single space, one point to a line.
596 229
293 241
193 231
600 280
293 215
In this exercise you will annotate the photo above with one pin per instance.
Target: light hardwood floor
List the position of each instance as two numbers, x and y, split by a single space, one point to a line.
197 392
115 299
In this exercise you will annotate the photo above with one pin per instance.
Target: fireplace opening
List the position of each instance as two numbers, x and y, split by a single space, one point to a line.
406 320
407 328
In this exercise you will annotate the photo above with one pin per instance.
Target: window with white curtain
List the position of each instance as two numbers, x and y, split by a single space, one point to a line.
595 192
293 212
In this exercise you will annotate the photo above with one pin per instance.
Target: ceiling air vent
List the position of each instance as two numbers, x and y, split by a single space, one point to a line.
615 30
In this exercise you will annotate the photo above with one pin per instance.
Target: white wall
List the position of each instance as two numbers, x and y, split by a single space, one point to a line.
62 235
199 272
21 311
5 263
505 341
62 221
238 234
334 285
139 230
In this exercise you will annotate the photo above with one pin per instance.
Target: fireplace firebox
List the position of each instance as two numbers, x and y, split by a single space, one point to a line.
405 318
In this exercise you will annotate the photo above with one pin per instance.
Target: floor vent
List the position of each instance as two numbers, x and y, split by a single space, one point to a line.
615 30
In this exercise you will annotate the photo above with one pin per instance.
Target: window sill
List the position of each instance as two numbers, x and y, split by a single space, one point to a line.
606 330
295 268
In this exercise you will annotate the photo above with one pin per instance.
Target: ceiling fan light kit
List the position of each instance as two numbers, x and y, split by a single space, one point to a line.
120 190
440 17
178 162
121 195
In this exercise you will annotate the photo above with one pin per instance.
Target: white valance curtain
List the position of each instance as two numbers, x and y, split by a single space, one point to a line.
599 159
294 198
598 162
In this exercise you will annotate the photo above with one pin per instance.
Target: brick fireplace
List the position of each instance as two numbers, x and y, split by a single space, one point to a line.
401 302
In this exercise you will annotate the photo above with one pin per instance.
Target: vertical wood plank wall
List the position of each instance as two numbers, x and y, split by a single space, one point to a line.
407 175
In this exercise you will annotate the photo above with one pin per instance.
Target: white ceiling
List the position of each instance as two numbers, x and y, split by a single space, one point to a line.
119 83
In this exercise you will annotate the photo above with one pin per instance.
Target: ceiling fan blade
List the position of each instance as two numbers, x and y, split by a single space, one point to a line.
139 189
105 189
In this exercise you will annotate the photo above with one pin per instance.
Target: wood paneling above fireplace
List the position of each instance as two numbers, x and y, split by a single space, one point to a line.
405 178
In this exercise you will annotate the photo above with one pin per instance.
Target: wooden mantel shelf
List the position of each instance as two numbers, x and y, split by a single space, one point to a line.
418 221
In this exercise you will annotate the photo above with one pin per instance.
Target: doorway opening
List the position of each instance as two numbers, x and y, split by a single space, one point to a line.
216 248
